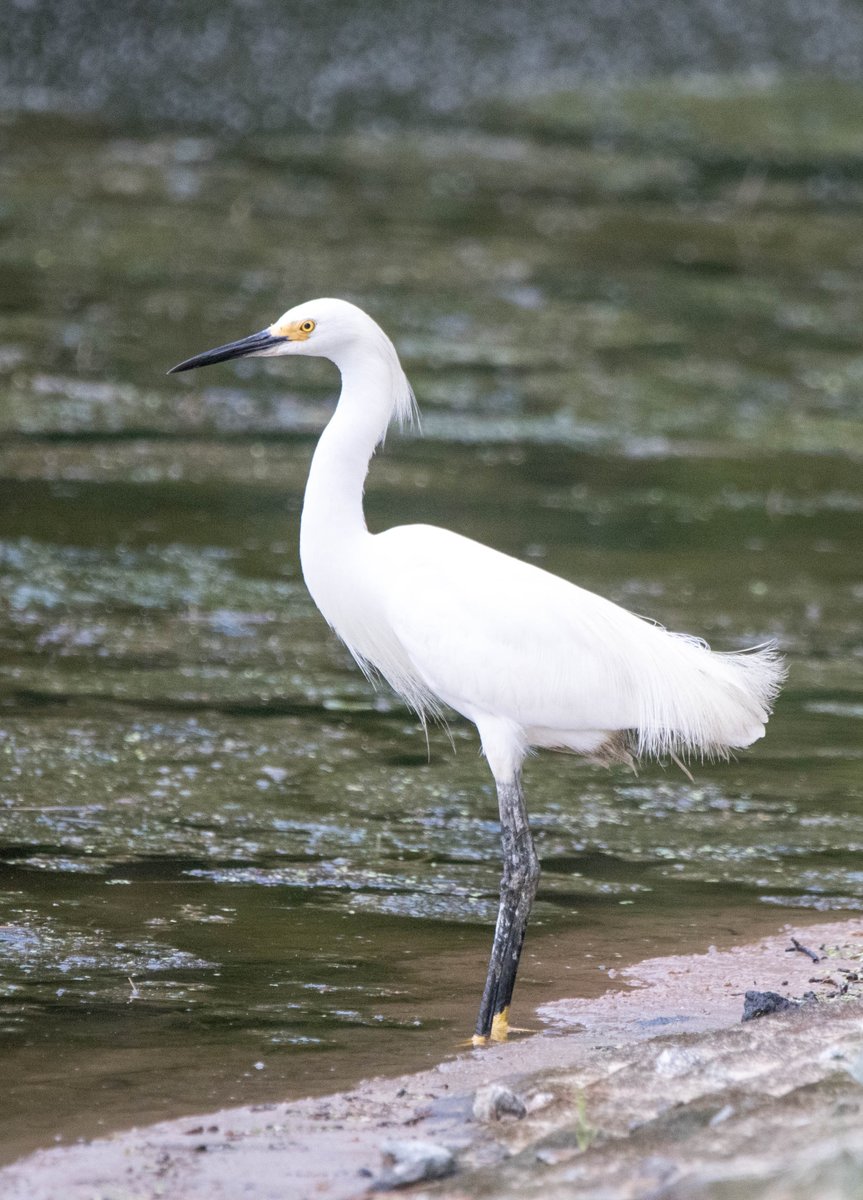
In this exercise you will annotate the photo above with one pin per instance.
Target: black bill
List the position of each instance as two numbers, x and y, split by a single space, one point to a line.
253 344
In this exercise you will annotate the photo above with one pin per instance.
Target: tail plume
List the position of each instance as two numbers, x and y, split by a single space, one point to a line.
706 704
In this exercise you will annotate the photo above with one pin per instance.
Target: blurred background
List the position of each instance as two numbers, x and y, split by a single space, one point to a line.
619 247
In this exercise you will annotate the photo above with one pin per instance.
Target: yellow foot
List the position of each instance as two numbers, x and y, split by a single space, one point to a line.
500 1030
500 1026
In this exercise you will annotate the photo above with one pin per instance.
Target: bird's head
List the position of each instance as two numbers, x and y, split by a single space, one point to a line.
321 328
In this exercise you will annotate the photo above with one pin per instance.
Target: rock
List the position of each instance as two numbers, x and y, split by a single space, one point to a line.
677 1061
539 1101
413 1161
763 1004
496 1101
551 1156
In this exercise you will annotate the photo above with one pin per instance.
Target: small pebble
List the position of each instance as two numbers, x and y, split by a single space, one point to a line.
413 1161
551 1156
676 1061
495 1101
538 1101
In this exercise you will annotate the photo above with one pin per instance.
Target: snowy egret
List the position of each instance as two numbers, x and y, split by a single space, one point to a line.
530 659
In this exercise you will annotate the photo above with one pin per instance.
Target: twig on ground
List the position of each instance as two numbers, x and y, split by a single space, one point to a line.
795 945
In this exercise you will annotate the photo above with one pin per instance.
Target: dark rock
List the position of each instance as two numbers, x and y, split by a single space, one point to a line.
763 1004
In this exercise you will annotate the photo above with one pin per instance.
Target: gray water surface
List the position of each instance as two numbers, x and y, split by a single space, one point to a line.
231 870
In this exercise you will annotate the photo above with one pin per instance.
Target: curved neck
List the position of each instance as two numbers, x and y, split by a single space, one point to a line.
333 504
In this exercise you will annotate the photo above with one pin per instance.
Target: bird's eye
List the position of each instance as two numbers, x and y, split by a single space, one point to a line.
307 326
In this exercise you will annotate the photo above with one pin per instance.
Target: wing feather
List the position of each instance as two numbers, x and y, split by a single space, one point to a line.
488 633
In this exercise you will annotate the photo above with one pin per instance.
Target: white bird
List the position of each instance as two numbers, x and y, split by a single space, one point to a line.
531 659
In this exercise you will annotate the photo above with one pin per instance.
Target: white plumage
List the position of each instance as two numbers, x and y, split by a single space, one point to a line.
530 658
494 636
444 618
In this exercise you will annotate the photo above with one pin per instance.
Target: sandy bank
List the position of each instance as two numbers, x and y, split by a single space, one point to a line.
654 1090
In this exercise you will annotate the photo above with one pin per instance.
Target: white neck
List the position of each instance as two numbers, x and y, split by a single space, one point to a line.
336 548
333 520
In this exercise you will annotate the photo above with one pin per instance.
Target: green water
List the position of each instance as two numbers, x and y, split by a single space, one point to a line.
231 871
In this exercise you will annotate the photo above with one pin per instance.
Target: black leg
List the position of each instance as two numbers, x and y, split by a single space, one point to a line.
517 890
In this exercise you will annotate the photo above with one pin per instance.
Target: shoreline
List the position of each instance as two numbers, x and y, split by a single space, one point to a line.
680 1009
